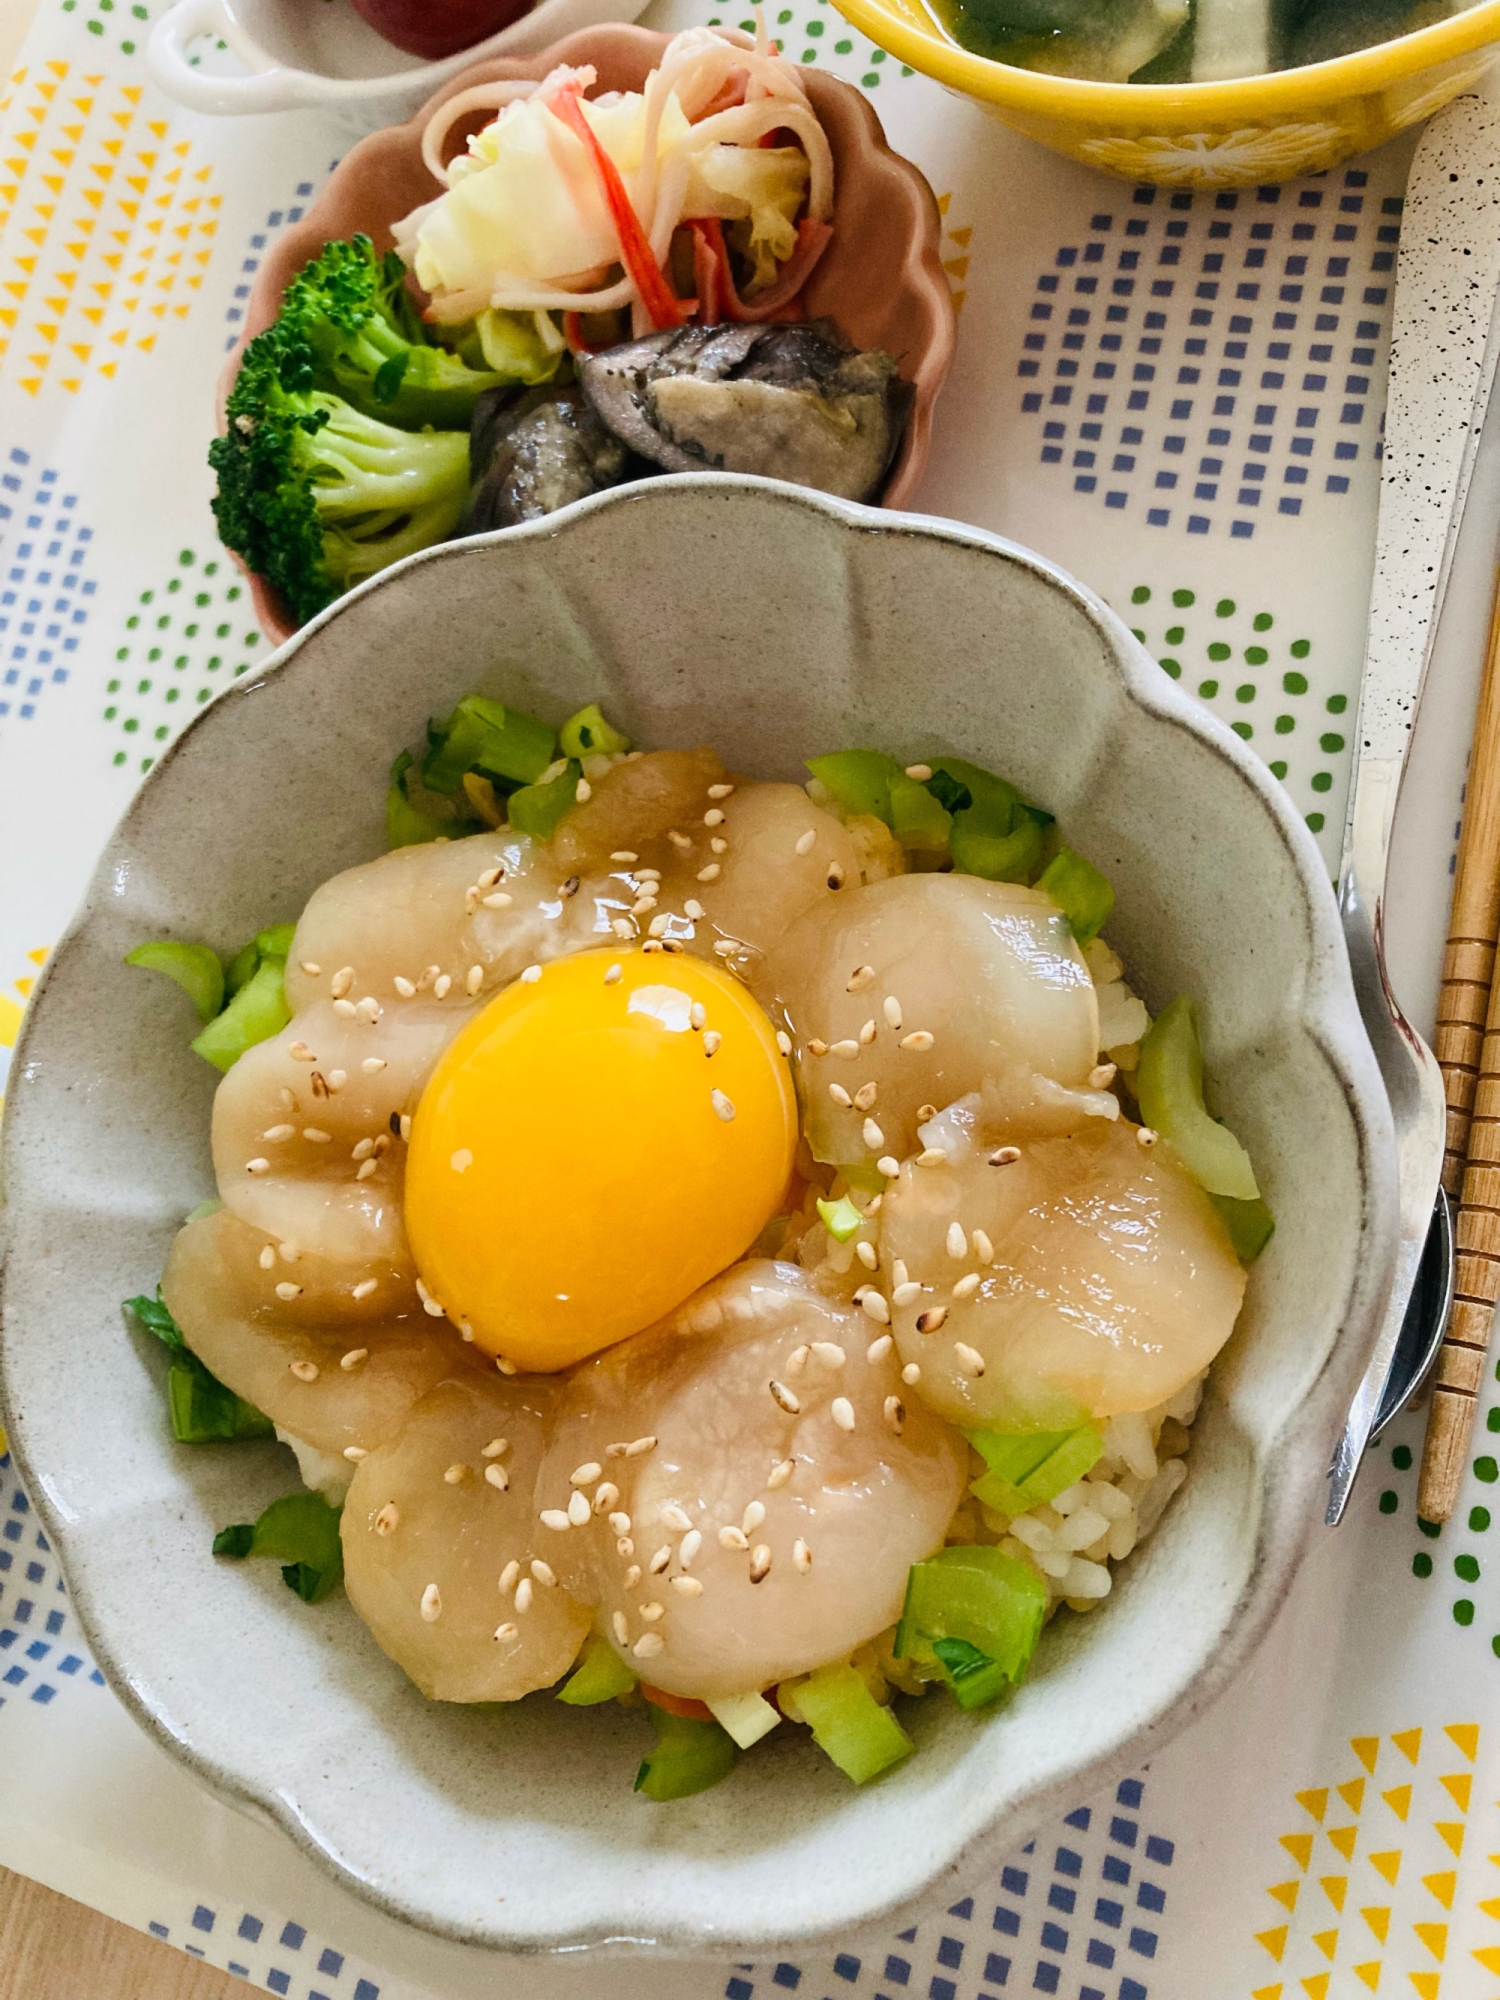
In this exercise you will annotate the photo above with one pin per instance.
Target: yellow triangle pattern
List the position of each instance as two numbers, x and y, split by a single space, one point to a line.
1435 1937
1465 1737
1489 1957
1378 1917
1315 1803
1343 1838
1369 1973
1334 1887
1426 1984
1399 1800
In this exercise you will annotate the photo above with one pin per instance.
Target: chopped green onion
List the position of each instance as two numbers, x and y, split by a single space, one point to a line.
302 1532
992 798
849 1725
859 780
406 825
256 1012
1004 857
194 967
484 735
992 1601
747 1717
1079 891
201 1408
1251 1225
861 1174
599 1676
210 1205
1169 1087
973 1678
1033 1468
241 969
587 734
690 1756
536 809
840 1218
275 941
916 817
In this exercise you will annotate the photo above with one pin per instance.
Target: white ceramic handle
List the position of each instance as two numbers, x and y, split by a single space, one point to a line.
267 88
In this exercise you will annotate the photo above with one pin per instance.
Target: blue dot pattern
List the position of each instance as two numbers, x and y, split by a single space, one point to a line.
276 220
1265 395
43 591
42 1652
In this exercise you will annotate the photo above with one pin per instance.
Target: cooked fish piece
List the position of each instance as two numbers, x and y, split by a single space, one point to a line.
444 1557
1106 1277
757 1485
920 989
530 455
334 1364
788 402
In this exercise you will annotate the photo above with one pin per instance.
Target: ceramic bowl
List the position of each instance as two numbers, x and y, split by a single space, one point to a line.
325 56
1238 133
517 1827
881 279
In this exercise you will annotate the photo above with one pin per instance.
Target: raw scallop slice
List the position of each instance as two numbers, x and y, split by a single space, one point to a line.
634 807
303 1141
764 884
929 987
431 1524
782 1452
226 1303
1113 1282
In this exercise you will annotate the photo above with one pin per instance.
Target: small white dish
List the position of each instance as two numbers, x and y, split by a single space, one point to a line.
774 623
320 52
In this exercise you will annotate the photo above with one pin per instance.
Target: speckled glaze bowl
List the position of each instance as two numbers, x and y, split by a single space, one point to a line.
516 1828
881 278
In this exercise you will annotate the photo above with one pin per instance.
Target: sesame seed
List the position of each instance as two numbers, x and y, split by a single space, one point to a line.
310 969
752 1517
723 1107
713 817
510 1576
613 976
732 1538
1005 1156
583 791
387 1520
864 1097
639 1447
544 1573
840 1096
971 1361
505 1366
921 772
816 1048
531 975
337 1078
859 978
300 1052
622 928
760 1564
367 1171
842 1412
698 1015
649 1645
363 1150
717 846
654 944
783 1042
432 1604
660 1560
465 1331
894 1412
984 1250
693 908
779 1474
872 1135
659 926
691 1542
806 841
687 1586
932 1319
898 1271
278 1132
524 1594
433 1309
907 1294
888 1165
713 1041
622 1628
288 1101
625 854
867 1254
341 981
680 841
1102 1076
653 1613
267 1258
605 1498
919 1040
507 1631
911 1374
625 1548
709 872
496 1448
289 1253
879 1348
345 1008
801 1557
257 1166
867 1034
305 1371
620 1523
404 987
475 979
720 791
440 986
632 1576
554 1518
675 1518
835 875
796 1361
350 1361
405 1125
956 1243
828 1354
585 1474
1145 1136
498 1477
355 1452
373 1065
783 1396
456 1474
578 1510
967 1285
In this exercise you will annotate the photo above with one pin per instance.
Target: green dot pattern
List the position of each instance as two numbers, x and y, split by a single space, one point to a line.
1397 1497
116 21
187 638
803 34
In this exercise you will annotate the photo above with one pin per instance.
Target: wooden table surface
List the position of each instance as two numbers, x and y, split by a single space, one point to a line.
51 1948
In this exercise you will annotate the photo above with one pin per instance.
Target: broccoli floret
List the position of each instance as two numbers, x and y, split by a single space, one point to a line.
350 326
316 495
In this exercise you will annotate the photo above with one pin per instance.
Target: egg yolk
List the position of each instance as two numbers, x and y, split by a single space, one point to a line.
592 1147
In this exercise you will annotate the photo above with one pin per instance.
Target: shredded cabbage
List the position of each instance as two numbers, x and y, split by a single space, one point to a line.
766 185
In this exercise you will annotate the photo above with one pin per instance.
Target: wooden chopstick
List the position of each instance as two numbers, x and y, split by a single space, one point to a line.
1468 1050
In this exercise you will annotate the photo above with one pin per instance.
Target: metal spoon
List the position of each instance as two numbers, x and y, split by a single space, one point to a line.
1444 350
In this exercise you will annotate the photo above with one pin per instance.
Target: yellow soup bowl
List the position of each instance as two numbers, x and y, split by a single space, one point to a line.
1240 133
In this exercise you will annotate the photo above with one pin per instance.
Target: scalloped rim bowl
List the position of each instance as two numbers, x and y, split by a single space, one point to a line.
881 278
516 1828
